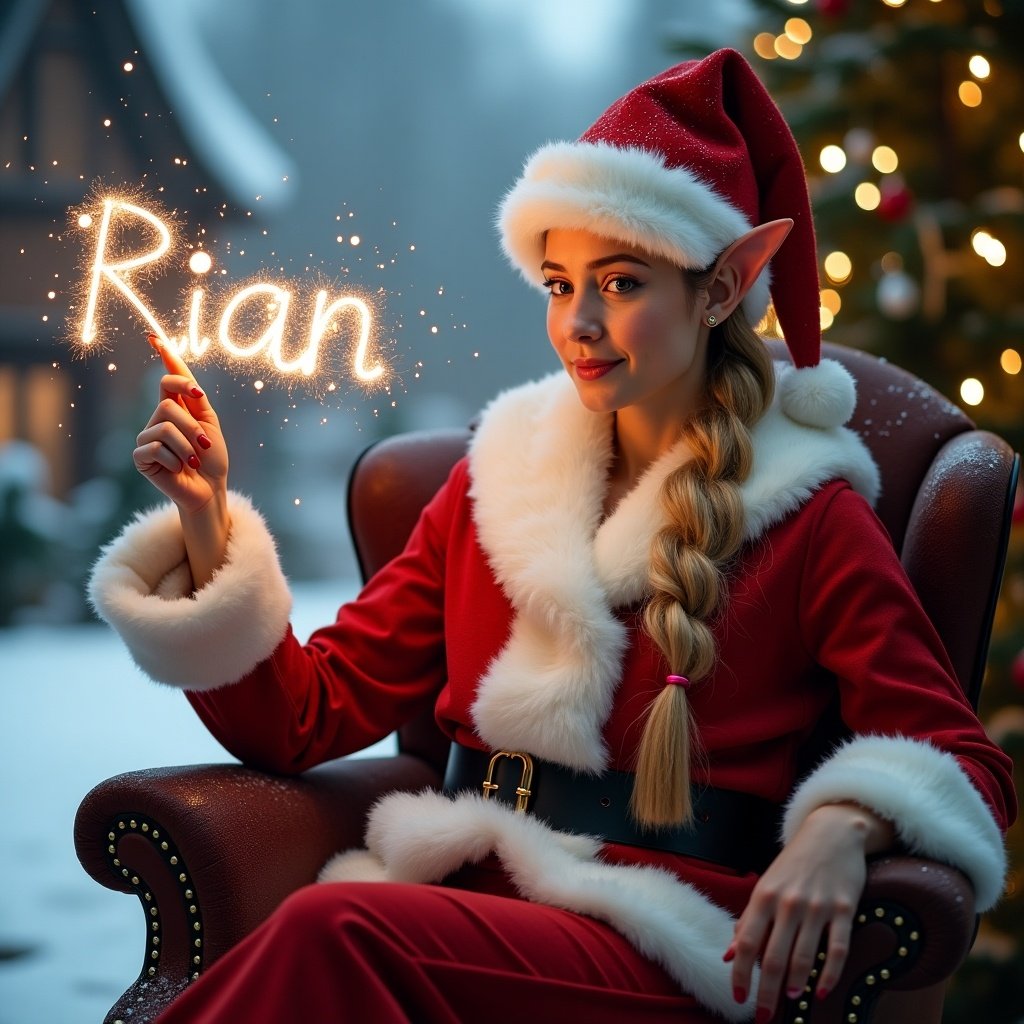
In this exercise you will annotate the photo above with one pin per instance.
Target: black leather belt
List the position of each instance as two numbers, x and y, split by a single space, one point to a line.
730 828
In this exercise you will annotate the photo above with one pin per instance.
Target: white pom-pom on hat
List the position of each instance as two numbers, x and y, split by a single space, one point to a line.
821 396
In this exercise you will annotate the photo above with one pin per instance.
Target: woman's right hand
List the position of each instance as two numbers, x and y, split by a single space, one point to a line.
182 452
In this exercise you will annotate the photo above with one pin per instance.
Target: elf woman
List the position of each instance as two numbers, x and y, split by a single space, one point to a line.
644 584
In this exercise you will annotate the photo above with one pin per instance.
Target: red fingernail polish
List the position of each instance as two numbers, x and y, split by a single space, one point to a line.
739 994
729 955
193 462
204 441
763 1015
821 992
196 393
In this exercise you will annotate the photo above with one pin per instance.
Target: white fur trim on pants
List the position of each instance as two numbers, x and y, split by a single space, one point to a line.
425 837
923 791
141 585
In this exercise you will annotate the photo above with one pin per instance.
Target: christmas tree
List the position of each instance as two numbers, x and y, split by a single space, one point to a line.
910 118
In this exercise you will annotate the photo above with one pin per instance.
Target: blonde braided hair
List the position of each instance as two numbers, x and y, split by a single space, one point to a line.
689 556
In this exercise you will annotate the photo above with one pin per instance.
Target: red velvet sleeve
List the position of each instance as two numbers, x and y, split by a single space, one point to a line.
862 621
381 663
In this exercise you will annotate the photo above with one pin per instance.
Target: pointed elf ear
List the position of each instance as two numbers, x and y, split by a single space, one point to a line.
739 266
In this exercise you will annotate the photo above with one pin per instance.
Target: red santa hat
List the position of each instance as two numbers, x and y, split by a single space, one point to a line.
681 167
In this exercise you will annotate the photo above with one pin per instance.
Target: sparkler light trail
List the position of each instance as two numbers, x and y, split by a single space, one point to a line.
268 302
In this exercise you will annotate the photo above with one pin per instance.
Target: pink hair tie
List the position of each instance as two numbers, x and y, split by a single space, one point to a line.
678 681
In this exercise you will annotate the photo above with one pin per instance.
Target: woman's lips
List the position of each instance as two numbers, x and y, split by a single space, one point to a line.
592 369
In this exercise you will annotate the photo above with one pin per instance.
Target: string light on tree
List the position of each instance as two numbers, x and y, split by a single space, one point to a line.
884 159
832 159
838 267
990 249
1010 361
979 66
969 93
972 391
867 195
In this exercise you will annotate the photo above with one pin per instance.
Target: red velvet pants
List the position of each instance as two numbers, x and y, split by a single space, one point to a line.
384 953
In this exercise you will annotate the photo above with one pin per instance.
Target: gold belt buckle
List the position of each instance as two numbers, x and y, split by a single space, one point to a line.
523 792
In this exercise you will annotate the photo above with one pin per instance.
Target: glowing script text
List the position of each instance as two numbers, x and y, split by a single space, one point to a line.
265 303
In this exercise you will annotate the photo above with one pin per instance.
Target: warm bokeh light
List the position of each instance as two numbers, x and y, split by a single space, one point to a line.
884 159
838 267
988 248
798 30
1010 361
970 94
830 300
785 47
832 159
764 46
200 262
979 66
85 221
972 391
867 195
894 3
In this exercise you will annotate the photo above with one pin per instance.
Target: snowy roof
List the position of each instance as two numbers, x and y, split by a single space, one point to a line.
221 132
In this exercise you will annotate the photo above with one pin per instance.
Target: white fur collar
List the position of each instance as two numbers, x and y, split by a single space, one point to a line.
538 464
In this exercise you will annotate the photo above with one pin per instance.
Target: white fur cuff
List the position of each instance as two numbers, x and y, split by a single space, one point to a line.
141 586
923 791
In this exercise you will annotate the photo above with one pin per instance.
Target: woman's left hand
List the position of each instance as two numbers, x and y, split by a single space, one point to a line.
809 891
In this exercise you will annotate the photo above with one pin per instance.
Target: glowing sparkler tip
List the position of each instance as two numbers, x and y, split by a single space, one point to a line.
200 262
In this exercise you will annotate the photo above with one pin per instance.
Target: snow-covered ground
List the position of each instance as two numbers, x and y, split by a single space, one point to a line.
74 710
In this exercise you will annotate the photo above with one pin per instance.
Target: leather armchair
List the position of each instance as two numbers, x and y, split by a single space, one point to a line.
211 850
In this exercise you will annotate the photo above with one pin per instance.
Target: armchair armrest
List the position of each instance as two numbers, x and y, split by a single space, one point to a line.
914 926
211 850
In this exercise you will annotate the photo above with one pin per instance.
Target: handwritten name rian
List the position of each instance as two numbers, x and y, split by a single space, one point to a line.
113 268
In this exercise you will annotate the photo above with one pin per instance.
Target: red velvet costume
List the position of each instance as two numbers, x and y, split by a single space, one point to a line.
514 612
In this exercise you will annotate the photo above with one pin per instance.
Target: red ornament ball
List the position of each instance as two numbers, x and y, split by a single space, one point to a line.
896 199
1017 670
834 8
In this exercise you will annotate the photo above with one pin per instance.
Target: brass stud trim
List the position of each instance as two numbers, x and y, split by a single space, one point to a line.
174 859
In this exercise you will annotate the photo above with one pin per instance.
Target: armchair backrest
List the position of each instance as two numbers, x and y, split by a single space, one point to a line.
947 496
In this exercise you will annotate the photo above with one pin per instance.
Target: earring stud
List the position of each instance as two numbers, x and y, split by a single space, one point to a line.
711 320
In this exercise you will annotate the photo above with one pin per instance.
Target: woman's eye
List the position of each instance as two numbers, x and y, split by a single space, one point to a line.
557 287
621 285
